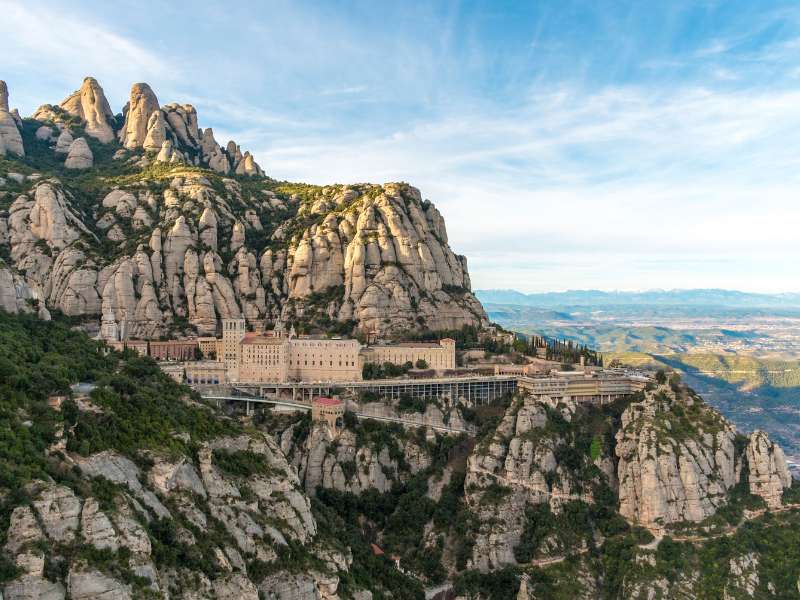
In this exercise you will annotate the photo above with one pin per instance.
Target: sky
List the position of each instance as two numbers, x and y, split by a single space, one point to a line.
616 145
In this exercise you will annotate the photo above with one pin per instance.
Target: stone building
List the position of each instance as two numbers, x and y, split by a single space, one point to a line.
330 411
205 372
233 331
280 357
439 356
174 349
209 347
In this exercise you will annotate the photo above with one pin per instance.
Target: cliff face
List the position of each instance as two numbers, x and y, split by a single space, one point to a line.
145 218
345 465
236 522
527 464
678 461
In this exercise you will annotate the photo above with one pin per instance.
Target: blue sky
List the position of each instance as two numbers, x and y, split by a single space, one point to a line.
595 144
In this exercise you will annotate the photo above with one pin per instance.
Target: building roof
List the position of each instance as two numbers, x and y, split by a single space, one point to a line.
256 338
327 401
376 550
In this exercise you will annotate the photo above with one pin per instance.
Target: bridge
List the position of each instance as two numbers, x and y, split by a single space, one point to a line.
406 420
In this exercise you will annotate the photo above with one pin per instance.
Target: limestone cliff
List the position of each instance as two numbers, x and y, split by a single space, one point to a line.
145 218
527 464
250 520
342 463
678 460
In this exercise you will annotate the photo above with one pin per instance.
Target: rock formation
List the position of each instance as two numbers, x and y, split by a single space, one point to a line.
3 96
79 155
90 105
342 465
768 474
258 527
210 246
10 136
142 104
676 459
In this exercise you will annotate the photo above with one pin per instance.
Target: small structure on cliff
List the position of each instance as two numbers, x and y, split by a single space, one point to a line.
330 411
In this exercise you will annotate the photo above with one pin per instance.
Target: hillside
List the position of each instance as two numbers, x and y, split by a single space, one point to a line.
136 489
142 218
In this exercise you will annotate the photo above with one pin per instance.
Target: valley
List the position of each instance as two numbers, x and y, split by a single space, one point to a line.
743 359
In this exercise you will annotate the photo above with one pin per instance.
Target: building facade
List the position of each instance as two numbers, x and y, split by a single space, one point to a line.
174 349
205 372
233 332
439 356
329 411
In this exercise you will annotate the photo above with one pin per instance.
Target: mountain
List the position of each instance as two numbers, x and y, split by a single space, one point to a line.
596 298
143 218
133 487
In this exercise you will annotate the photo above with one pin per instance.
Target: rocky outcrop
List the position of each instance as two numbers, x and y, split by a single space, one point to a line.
3 96
91 584
389 251
79 155
768 474
342 465
10 136
90 105
142 104
676 459
249 516
213 154
210 247
15 294
64 142
515 468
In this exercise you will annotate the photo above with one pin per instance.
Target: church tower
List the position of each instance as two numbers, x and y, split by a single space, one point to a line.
233 331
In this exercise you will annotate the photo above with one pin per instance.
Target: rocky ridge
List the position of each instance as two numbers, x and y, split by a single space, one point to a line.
172 231
678 460
250 519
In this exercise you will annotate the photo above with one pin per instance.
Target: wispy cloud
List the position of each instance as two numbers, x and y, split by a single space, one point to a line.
617 144
62 47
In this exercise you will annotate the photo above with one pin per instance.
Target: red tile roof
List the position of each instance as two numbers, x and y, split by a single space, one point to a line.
327 401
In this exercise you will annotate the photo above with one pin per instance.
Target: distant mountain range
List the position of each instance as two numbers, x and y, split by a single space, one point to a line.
697 297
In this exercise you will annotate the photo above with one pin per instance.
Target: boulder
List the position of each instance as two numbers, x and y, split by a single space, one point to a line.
79 155
64 142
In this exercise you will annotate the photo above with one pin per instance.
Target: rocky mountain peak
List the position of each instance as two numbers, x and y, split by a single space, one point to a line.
3 96
90 105
205 235
10 136
142 104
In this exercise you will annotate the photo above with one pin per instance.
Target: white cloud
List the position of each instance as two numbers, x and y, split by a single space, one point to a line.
592 177
60 48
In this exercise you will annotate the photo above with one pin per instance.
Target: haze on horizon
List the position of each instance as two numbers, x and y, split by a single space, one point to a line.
569 145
